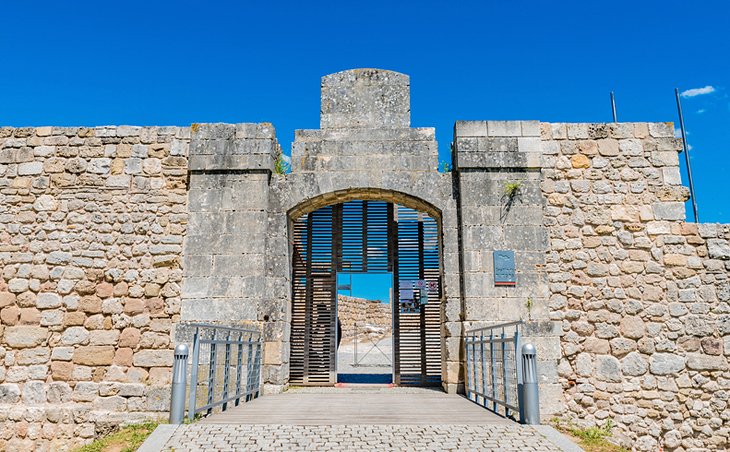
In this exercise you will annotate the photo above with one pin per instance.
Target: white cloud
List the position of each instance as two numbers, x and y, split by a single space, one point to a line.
698 91
701 110
678 132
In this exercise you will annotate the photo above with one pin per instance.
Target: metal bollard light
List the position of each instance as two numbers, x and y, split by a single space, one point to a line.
530 393
179 370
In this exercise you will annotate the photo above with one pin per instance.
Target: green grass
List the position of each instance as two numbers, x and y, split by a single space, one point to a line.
591 439
127 439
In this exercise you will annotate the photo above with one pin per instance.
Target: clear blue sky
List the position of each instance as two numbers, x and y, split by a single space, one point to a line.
174 63
373 286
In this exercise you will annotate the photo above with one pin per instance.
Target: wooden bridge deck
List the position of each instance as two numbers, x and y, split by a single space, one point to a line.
344 406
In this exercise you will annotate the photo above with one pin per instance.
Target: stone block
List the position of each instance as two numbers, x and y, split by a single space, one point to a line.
608 368
34 393
94 355
9 393
153 358
718 249
62 370
666 363
25 336
365 98
30 168
700 361
31 356
104 337
158 399
75 335
85 391
504 128
471 129
668 210
48 301
218 310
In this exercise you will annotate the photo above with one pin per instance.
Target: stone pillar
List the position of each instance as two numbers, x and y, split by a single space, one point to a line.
225 246
497 165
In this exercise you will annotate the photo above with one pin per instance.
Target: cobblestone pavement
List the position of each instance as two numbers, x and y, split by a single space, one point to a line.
227 437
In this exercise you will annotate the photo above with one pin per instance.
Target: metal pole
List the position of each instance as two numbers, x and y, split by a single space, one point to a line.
686 156
531 395
177 398
613 106
239 368
493 358
226 371
484 369
469 368
518 370
194 374
504 373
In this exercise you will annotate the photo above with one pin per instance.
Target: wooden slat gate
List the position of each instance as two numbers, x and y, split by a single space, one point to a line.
364 236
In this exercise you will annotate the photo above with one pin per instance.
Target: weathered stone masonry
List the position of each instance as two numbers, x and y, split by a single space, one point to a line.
641 296
92 222
112 238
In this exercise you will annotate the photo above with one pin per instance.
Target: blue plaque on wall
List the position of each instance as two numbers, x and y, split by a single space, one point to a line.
504 268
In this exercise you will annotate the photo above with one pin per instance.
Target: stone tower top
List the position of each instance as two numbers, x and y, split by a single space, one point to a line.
365 99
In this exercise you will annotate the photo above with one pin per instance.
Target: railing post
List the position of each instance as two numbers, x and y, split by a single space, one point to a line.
504 372
249 368
493 363
226 371
484 369
177 398
194 375
212 369
469 369
518 371
257 371
239 367
530 396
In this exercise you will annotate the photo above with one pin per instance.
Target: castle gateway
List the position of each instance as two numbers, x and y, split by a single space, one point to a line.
113 239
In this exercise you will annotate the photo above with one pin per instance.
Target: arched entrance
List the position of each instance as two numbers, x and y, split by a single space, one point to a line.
370 233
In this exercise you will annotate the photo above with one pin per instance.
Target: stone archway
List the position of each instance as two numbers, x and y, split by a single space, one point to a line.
385 232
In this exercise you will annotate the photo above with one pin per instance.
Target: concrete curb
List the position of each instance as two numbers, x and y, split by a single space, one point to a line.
557 438
157 440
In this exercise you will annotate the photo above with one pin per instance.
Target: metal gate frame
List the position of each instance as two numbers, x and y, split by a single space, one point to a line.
416 338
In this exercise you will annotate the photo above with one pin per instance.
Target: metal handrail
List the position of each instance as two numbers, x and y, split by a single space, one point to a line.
494 370
237 370
496 327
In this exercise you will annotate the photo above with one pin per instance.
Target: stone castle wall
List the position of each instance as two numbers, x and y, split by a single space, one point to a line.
111 238
92 222
641 297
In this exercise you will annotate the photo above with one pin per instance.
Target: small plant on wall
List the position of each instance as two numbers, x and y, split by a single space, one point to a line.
529 304
512 191
512 188
281 166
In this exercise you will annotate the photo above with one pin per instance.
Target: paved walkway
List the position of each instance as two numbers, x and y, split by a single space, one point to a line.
350 419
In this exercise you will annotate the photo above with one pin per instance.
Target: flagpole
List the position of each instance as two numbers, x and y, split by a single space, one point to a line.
686 156
613 106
